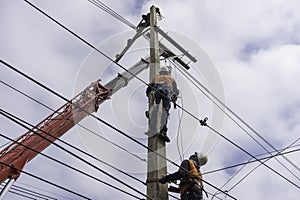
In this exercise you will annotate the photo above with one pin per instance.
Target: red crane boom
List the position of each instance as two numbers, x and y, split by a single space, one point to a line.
15 156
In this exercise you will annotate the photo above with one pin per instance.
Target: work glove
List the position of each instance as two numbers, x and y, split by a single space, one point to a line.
150 88
174 99
163 180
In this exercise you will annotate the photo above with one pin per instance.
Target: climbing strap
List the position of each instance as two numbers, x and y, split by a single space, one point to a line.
151 180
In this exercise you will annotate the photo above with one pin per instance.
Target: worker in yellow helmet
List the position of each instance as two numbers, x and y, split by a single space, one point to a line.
164 88
190 177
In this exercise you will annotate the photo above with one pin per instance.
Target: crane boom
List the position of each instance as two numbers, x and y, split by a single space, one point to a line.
16 155
51 128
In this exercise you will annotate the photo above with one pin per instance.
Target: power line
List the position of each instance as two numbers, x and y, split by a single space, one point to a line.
89 130
111 12
11 117
21 195
97 118
106 123
66 165
83 40
80 38
126 135
66 142
57 138
232 141
250 161
279 152
29 193
42 189
189 76
76 148
99 51
117 16
196 83
179 141
276 172
15 187
44 180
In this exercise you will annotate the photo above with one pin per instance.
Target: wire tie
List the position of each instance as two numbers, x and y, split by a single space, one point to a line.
203 122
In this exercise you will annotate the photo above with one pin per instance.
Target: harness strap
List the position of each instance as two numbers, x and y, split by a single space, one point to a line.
151 180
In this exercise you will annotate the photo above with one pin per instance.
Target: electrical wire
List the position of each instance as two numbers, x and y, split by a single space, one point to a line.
245 176
72 146
3 145
104 56
15 187
243 165
179 139
44 180
77 124
21 195
249 154
24 192
265 159
250 161
96 49
193 80
116 62
99 119
111 12
66 165
117 16
16 120
57 138
236 173
89 130
83 40
80 38
28 194
174 197
43 190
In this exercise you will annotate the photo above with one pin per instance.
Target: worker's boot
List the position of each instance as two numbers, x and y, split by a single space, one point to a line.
147 114
163 134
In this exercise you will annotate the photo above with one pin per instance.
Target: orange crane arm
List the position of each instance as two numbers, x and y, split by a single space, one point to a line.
15 156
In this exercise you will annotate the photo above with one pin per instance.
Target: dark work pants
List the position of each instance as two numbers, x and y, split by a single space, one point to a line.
164 96
193 193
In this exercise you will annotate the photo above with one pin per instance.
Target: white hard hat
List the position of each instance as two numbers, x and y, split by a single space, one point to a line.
164 69
199 158
202 159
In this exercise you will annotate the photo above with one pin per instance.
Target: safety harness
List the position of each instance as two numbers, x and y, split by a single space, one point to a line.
194 178
164 79
164 84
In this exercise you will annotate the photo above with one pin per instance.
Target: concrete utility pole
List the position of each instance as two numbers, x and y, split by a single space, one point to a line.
157 166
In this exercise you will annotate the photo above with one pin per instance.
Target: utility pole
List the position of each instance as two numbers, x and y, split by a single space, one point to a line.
156 166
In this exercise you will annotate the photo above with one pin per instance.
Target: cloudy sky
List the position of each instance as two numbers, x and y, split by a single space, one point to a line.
248 54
